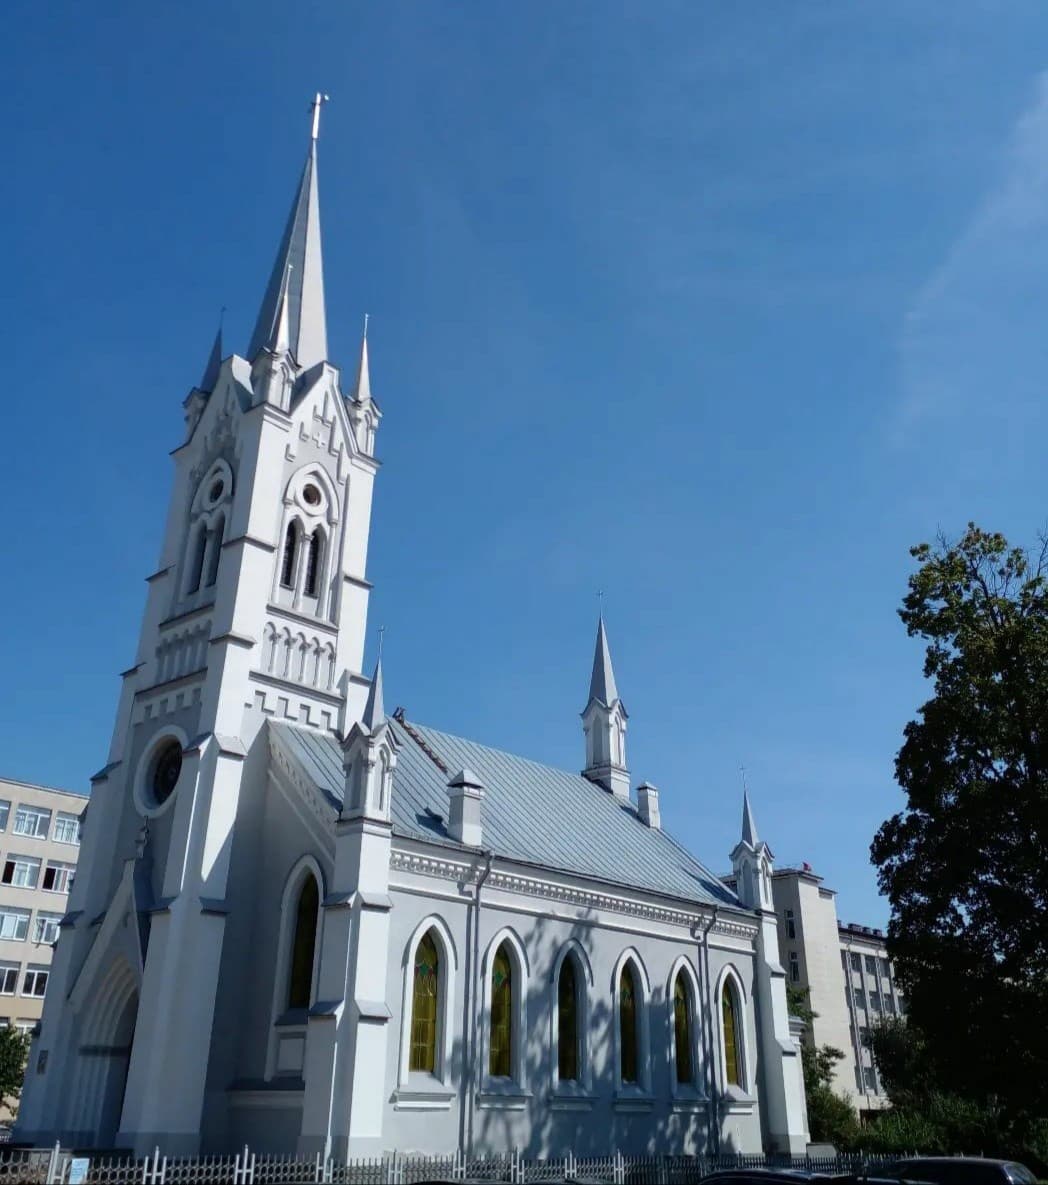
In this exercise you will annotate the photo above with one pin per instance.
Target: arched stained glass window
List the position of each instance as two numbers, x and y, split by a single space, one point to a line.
500 1059
300 981
627 1025
287 568
567 1023
316 544
682 1029
196 571
732 1036
425 996
216 550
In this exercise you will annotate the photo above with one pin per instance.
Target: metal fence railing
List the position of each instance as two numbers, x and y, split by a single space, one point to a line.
58 1166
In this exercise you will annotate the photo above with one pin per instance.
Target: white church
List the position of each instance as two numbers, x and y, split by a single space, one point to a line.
305 925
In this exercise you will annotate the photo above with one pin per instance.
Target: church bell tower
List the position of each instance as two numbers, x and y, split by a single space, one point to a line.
256 611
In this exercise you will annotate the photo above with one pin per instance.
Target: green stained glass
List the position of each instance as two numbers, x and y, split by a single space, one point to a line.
682 1029
424 999
500 1056
627 1026
567 1024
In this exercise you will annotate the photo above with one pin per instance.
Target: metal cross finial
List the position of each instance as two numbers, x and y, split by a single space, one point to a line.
222 318
600 601
318 101
365 326
742 770
381 639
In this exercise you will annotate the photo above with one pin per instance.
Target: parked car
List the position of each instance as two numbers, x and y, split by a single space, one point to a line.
959 1170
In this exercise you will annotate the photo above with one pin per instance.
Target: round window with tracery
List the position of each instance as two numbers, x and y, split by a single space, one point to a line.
311 495
167 765
218 488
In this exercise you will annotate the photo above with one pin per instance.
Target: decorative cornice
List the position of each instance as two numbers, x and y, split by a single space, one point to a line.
464 871
300 689
234 639
253 540
317 623
359 581
178 618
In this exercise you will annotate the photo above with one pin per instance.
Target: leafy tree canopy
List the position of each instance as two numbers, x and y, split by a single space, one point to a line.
965 864
14 1046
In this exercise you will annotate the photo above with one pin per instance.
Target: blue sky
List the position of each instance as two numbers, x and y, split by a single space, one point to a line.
716 307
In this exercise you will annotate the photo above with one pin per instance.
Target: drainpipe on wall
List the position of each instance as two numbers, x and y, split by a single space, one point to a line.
470 1070
711 1077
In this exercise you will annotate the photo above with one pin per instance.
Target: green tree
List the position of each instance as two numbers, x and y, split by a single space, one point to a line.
830 1118
14 1048
965 864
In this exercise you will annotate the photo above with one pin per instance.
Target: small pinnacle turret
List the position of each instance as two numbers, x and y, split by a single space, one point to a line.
749 827
604 723
374 710
214 362
362 391
602 681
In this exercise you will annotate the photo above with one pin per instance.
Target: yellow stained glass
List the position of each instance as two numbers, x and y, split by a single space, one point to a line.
425 995
500 1056
682 1029
729 1013
627 1026
567 1024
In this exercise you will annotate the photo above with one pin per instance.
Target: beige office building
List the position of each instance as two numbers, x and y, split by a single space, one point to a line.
39 844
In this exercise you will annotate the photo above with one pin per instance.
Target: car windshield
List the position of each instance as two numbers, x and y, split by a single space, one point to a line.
1019 1174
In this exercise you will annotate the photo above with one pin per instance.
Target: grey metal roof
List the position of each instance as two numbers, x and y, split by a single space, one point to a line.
531 812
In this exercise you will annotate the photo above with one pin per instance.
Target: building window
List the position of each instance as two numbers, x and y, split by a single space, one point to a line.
856 962
67 828
500 1054
58 878
34 821
627 1025
35 981
8 978
875 1002
869 1080
23 872
844 960
14 923
313 563
886 970
791 925
287 568
567 1022
25 1026
216 534
732 1035
425 994
682 1029
46 928
303 946
5 811
902 1006
889 1005
196 564
860 999
795 967
871 965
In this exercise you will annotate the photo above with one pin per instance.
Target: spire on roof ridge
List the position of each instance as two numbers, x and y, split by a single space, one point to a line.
279 341
749 827
362 392
214 362
374 711
300 250
602 681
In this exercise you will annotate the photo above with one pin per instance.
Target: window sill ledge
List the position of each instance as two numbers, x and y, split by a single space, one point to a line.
689 1102
506 1098
571 1100
736 1101
423 1098
637 1101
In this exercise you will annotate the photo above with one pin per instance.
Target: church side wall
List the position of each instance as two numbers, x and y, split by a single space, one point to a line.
603 1117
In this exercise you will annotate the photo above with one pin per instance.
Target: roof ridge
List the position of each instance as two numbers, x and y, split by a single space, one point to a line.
402 720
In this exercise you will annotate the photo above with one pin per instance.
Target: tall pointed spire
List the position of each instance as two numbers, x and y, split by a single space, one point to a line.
300 250
374 710
363 388
749 827
214 362
602 681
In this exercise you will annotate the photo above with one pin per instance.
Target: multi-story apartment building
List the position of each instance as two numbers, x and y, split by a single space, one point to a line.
39 844
847 973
